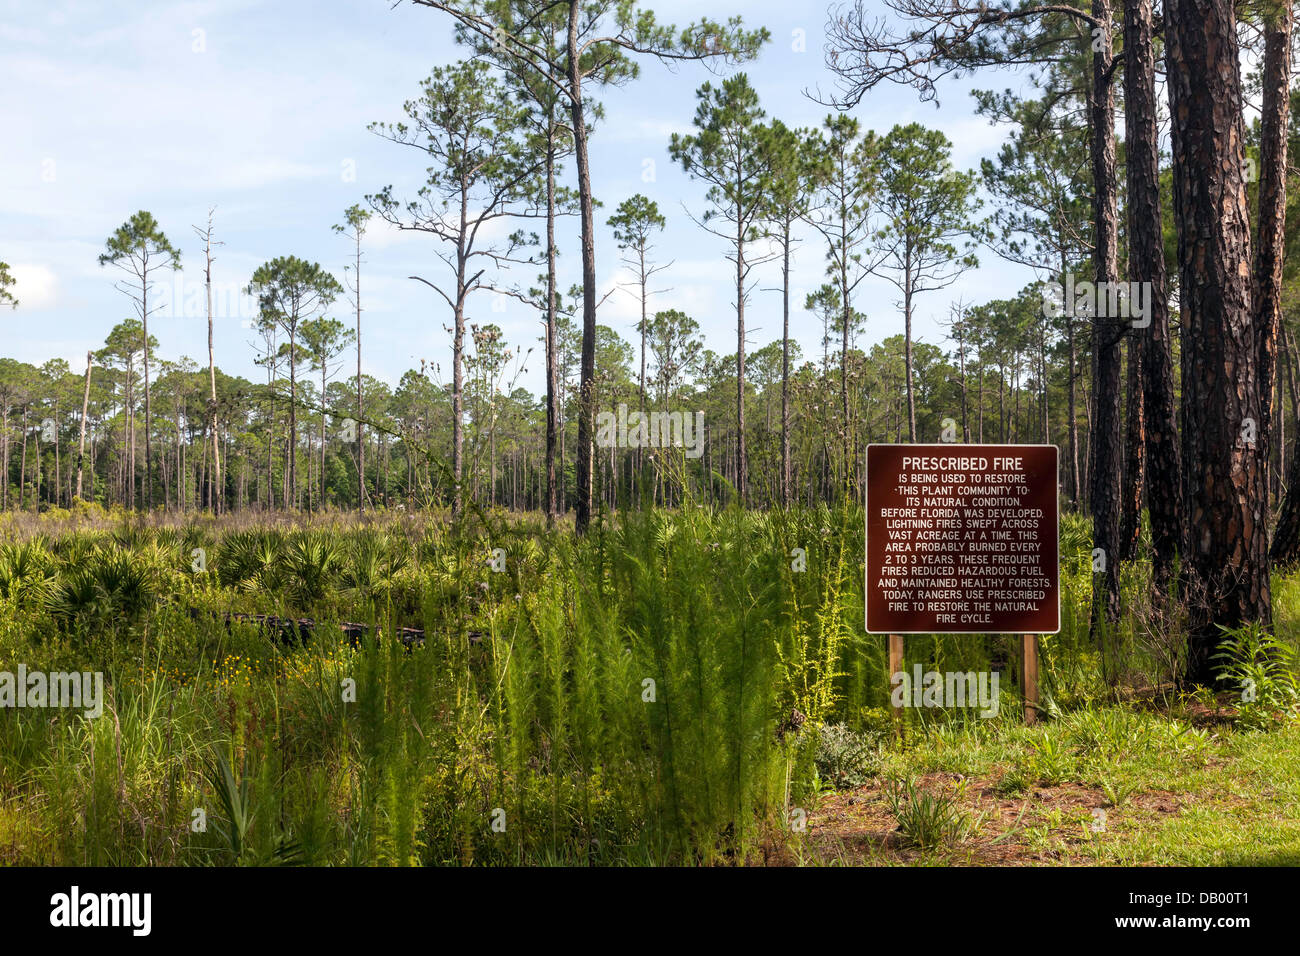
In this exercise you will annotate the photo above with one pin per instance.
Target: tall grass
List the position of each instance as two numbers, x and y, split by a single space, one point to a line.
650 693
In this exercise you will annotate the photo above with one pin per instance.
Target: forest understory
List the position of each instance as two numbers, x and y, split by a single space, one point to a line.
667 689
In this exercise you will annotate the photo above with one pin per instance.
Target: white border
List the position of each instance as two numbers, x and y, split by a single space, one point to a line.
866 492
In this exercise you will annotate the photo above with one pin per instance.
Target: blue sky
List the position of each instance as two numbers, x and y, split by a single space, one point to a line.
260 108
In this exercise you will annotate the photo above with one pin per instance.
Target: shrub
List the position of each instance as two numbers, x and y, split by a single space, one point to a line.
1263 669
846 759
927 819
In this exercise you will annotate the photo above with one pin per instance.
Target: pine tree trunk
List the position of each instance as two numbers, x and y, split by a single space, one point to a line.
216 496
361 448
552 366
1266 287
1106 436
457 369
586 384
907 358
846 319
81 444
148 413
291 478
1147 264
742 457
1135 460
785 371
1227 559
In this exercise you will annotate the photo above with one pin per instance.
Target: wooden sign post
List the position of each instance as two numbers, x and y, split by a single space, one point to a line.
896 667
964 539
1029 675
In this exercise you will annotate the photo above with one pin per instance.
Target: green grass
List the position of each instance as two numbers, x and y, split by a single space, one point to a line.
652 693
1170 794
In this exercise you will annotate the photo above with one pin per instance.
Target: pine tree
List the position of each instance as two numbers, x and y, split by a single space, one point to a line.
139 248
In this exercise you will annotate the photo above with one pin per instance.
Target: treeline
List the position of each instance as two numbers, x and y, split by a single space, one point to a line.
1156 349
778 430
1006 399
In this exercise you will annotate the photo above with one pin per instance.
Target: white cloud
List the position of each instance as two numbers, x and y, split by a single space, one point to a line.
382 234
35 286
260 123
973 138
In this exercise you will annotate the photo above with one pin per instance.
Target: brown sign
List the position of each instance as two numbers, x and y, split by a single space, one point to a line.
962 539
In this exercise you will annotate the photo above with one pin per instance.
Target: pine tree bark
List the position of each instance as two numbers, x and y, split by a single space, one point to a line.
1147 264
291 474
1135 459
1226 476
907 357
85 410
1286 535
1076 483
552 368
1266 287
1266 284
847 320
1105 440
742 456
148 409
587 374
786 498
458 364
216 496
361 446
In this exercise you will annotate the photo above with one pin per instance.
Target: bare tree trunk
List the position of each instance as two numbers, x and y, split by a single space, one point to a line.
457 372
1266 286
4 455
270 433
785 371
22 467
1135 459
586 386
552 365
85 411
1076 484
1106 438
907 357
1147 264
215 499
130 426
324 366
1045 410
291 479
148 414
361 447
742 455
961 360
844 339
1227 559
